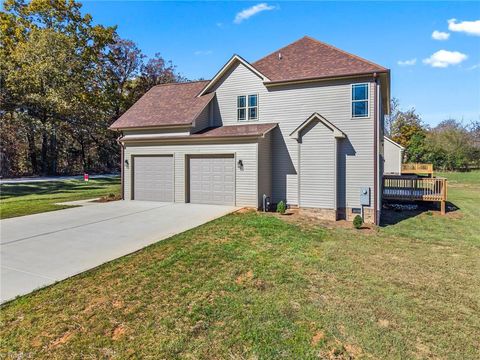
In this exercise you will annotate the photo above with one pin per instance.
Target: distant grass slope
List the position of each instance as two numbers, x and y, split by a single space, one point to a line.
259 286
36 197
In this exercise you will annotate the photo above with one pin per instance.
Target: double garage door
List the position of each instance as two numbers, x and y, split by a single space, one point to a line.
211 179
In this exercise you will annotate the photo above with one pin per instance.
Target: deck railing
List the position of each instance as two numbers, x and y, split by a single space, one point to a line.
410 188
417 168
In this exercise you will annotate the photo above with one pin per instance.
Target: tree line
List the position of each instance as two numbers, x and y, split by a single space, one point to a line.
450 145
63 81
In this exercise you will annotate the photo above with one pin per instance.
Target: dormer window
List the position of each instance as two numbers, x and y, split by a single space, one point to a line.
359 100
247 107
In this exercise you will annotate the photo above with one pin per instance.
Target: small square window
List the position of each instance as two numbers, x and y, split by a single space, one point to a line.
359 108
252 113
252 100
360 92
242 114
241 101
247 107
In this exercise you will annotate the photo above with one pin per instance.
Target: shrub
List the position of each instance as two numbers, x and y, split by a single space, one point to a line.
357 222
281 207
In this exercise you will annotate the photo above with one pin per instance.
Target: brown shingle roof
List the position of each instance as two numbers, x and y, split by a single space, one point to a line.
247 130
237 130
178 104
167 104
308 58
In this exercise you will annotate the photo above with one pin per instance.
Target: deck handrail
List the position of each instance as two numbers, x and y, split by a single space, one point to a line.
409 188
417 168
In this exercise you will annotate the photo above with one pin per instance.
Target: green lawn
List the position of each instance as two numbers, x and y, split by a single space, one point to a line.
256 286
36 197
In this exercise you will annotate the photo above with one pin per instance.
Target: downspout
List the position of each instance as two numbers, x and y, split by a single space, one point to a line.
122 162
375 152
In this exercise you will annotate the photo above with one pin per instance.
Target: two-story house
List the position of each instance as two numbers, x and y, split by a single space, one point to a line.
303 125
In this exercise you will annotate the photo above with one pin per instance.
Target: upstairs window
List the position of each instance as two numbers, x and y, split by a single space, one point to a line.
359 100
252 107
247 107
242 108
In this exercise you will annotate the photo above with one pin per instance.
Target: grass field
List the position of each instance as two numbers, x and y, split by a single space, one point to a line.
256 286
36 197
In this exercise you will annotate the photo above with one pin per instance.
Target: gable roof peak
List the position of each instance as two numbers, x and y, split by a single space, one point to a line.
309 58
337 133
231 62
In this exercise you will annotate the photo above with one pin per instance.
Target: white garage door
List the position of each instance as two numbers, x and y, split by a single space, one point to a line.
212 180
153 178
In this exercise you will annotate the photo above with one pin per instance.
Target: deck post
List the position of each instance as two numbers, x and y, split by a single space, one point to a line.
444 197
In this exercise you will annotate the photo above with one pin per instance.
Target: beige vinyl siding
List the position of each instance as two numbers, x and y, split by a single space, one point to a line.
245 179
393 158
202 120
289 106
317 167
264 168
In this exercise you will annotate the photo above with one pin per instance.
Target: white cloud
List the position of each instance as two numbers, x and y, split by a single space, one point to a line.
469 27
444 58
407 62
202 52
440 35
473 67
249 12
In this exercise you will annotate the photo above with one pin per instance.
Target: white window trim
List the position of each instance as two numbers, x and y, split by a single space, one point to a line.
247 107
240 108
352 101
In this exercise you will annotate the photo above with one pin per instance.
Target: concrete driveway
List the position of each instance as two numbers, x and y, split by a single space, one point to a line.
38 250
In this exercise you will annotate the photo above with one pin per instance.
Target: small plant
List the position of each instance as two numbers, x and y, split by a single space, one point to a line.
357 222
281 207
111 195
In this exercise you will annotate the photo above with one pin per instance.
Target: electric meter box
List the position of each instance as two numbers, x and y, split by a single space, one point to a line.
365 196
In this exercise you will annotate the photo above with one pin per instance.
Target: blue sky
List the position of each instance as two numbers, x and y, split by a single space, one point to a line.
438 74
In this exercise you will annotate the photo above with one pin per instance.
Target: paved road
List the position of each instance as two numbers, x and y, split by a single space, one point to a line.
37 250
53 178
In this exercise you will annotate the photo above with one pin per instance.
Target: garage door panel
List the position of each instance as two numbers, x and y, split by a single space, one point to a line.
212 180
153 178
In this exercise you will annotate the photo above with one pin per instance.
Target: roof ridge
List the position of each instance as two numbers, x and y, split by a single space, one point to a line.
327 45
181 83
343 51
278 50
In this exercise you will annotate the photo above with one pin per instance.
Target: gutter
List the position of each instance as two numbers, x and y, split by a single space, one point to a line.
122 160
193 138
375 151
186 126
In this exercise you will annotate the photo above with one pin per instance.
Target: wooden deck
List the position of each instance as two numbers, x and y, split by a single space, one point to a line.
417 168
412 188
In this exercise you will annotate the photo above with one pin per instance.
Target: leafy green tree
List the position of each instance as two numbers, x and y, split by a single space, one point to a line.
417 149
451 146
49 57
406 125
